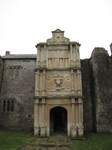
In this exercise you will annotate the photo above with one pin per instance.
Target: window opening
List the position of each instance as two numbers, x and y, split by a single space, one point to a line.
8 105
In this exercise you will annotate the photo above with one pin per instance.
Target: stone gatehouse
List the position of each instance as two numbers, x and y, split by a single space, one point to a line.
55 91
58 87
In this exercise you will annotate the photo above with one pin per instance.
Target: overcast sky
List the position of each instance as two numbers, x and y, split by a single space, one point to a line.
24 23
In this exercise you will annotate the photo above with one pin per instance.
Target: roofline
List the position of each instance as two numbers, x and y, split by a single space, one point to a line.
19 56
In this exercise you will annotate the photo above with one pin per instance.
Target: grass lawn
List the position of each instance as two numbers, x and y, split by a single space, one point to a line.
13 140
94 141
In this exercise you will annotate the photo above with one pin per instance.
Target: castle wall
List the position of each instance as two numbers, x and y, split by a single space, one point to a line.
102 90
18 87
96 91
1 70
87 97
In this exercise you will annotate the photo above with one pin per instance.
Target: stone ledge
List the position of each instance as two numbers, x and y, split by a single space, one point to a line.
57 69
55 97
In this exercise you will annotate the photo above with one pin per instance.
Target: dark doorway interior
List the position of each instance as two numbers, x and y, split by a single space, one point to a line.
58 120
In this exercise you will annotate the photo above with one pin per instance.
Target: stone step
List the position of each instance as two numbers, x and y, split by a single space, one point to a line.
50 143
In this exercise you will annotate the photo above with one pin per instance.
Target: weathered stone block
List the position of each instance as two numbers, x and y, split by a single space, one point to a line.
37 131
80 131
43 131
73 131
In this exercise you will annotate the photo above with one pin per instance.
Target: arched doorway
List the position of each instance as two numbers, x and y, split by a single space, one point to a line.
58 120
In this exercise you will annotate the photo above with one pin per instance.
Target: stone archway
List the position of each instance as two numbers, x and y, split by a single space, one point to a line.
58 120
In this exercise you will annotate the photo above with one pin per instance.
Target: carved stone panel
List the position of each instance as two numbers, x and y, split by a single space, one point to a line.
58 81
58 58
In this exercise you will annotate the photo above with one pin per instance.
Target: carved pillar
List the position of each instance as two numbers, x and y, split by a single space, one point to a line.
80 126
75 82
77 56
76 112
79 82
43 112
80 110
38 57
44 83
72 82
37 81
43 128
36 118
58 57
73 116
71 56
44 56
73 128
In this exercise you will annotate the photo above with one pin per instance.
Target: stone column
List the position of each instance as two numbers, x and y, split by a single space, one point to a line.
72 82
80 111
44 83
71 56
38 57
79 87
75 83
77 56
44 56
73 116
76 112
36 118
58 57
80 126
73 128
43 112
43 128
37 81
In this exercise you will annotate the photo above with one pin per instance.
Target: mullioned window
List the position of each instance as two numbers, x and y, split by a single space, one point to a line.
8 105
14 71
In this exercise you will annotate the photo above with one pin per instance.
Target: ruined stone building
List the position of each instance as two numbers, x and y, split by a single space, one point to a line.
55 91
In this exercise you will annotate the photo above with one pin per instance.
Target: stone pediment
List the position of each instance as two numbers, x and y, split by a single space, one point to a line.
58 38
57 31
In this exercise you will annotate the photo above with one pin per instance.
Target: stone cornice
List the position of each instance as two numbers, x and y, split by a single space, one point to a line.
57 69
75 43
57 44
40 44
58 97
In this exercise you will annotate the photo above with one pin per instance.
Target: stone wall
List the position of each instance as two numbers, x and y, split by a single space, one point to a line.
86 92
102 90
18 84
1 70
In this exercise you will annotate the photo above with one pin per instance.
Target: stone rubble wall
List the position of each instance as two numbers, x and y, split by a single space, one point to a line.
21 90
102 90
86 92
1 71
